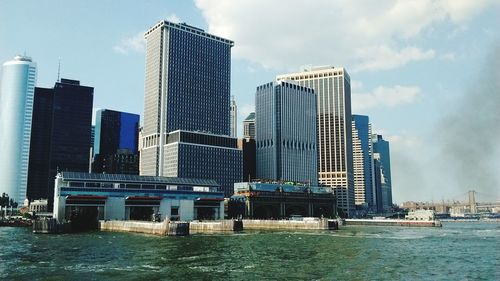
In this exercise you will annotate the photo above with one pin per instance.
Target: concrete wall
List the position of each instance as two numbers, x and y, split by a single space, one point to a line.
287 224
153 228
214 226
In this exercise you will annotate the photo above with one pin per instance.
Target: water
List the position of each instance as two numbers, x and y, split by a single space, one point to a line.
458 251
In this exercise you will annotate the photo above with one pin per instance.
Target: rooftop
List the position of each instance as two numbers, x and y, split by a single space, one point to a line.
118 178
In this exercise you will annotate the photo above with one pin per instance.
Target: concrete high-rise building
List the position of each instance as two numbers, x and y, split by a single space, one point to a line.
65 111
334 129
363 161
187 106
116 143
285 115
234 119
381 154
16 110
249 126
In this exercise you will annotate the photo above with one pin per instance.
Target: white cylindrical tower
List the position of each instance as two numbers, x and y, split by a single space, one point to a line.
16 109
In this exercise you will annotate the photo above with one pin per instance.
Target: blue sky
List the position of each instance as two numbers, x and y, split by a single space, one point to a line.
414 65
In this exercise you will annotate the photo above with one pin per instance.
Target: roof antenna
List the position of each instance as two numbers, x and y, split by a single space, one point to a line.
59 71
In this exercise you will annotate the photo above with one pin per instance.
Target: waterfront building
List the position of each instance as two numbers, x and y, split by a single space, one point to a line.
332 86
234 119
273 200
382 156
186 129
187 87
249 126
16 110
66 112
247 146
285 116
362 161
116 143
132 197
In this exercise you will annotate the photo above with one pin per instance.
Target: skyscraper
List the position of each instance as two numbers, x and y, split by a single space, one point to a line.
234 119
67 111
115 146
334 128
285 116
381 153
187 106
16 109
363 160
249 126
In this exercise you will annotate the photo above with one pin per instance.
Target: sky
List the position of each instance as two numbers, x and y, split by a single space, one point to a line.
425 71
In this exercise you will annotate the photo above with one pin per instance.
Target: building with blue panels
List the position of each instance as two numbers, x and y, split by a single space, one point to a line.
204 156
16 109
116 143
187 87
65 110
285 116
132 197
381 154
363 161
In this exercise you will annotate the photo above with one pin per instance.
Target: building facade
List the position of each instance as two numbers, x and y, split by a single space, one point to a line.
68 144
249 126
204 156
187 87
363 161
334 129
234 119
16 110
285 115
132 197
381 154
248 147
116 143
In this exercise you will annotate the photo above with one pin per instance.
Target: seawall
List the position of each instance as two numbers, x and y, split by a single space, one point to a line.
316 224
391 222
154 228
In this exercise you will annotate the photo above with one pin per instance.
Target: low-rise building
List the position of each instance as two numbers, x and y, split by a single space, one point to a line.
132 197
277 200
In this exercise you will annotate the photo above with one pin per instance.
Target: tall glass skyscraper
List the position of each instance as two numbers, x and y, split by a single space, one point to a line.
115 145
249 126
285 116
16 109
187 88
61 135
363 160
334 129
381 153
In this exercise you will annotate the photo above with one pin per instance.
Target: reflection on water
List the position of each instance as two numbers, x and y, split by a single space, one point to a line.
457 251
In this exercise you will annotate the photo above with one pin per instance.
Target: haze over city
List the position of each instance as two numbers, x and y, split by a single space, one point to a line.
424 71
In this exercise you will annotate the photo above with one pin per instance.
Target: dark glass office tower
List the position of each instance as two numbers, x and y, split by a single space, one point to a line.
68 145
115 145
381 153
41 130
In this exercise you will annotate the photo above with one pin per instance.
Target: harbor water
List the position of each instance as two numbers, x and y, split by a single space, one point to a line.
457 251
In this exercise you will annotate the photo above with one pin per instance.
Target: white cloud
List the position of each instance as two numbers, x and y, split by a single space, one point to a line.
383 57
385 97
448 56
363 35
173 18
134 44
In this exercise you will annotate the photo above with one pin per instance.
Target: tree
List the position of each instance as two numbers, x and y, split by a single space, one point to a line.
4 201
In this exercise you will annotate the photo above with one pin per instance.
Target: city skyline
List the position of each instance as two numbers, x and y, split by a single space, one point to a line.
385 84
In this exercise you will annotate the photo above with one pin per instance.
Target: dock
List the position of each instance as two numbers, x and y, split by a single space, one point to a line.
393 222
